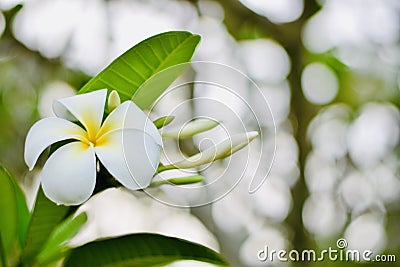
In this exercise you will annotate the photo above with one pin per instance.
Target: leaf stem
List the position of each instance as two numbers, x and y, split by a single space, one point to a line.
179 181
162 168
3 261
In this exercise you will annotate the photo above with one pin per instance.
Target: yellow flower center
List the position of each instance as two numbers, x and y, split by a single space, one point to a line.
94 137
89 137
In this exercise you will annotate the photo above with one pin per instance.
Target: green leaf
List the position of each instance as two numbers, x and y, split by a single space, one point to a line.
23 215
132 69
8 210
140 250
46 216
151 89
55 246
13 210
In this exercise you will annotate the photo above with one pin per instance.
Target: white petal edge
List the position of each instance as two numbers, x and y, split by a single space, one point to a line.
130 155
47 132
129 116
87 108
69 175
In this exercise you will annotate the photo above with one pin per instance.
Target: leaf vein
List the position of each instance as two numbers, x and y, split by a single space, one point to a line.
126 62
144 61
124 77
153 52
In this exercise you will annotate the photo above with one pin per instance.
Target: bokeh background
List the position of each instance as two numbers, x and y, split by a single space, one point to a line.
330 70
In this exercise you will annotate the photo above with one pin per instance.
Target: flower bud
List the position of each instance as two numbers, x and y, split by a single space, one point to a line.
113 101
222 150
163 121
192 128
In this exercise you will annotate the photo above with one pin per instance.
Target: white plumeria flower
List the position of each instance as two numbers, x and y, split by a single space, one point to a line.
127 143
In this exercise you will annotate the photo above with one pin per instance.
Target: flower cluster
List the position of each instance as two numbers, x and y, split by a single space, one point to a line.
126 142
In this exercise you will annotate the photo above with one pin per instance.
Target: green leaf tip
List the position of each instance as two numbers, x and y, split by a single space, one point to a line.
56 244
45 218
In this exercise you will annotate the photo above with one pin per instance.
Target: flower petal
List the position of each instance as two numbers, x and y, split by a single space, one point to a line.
47 132
69 175
130 155
87 108
129 116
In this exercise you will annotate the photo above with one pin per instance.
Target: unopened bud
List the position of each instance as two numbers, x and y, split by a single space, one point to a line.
163 121
222 150
113 101
192 128
241 141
